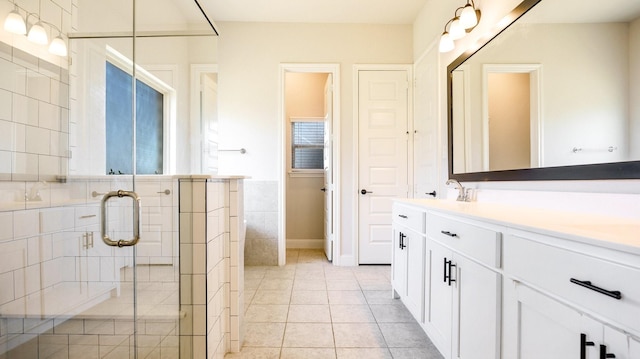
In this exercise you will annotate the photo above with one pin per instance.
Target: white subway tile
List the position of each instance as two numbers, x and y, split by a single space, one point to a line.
38 140
199 288
26 223
32 278
57 219
199 319
20 138
48 168
12 77
6 283
25 110
19 281
186 197
5 171
25 167
199 196
38 86
7 135
48 116
6 226
13 255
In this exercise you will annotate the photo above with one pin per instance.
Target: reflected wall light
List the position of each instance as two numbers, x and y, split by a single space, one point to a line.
459 25
16 24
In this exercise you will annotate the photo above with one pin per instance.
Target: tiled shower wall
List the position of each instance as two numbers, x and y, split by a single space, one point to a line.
212 267
261 213
34 117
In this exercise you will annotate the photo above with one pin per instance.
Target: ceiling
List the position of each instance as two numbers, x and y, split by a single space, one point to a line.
315 11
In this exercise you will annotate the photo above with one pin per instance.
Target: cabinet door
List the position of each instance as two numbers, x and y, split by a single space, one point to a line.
617 343
634 348
545 328
415 274
398 265
476 311
440 298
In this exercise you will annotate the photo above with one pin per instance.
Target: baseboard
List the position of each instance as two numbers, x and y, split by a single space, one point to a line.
305 243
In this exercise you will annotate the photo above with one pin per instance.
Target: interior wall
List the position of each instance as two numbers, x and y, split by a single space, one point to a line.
574 195
304 98
250 113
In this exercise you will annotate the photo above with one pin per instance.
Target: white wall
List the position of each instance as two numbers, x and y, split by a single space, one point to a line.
250 112
572 195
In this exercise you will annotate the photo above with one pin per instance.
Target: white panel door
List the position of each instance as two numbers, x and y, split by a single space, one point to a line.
328 163
382 158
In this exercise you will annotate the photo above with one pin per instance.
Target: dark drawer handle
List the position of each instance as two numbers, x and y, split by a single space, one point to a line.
402 216
587 284
447 233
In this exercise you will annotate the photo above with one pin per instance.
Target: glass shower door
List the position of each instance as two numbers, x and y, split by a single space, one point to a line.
93 134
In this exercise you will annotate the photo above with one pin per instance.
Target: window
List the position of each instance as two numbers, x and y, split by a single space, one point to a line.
307 144
119 129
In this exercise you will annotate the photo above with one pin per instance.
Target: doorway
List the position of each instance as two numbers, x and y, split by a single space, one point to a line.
309 176
383 97
523 126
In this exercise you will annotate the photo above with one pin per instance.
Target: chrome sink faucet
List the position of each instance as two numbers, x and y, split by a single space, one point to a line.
462 194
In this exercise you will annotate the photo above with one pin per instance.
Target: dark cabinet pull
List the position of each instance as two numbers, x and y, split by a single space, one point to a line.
432 193
402 216
402 237
446 262
604 354
447 267
583 345
587 284
447 233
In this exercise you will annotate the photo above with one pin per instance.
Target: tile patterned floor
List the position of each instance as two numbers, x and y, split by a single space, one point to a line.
310 309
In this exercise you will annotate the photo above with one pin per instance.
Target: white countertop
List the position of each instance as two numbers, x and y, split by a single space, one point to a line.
612 232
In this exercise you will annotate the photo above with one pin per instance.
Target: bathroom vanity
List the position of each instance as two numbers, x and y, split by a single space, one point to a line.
487 280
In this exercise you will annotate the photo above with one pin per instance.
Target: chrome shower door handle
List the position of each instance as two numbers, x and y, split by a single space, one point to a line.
136 218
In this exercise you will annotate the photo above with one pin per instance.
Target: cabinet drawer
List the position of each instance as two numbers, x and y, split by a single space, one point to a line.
477 242
409 217
552 269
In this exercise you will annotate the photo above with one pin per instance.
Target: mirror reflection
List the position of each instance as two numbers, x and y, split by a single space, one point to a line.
559 87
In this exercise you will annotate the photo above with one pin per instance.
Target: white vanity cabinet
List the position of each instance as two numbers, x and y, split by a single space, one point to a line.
578 301
506 282
409 258
463 313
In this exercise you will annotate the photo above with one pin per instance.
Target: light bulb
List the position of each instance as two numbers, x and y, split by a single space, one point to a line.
468 17
456 31
446 42
58 47
14 23
37 34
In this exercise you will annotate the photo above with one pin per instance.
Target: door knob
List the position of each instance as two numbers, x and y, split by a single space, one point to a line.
431 193
364 191
323 189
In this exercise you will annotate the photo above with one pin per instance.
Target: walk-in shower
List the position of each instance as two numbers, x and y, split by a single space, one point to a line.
84 139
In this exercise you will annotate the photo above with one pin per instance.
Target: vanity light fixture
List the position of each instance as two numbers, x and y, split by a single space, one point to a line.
459 25
58 46
37 34
470 16
14 22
